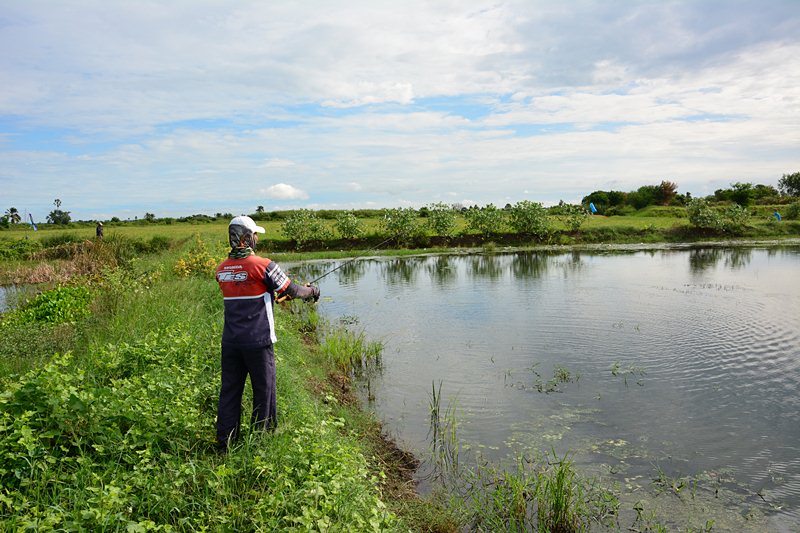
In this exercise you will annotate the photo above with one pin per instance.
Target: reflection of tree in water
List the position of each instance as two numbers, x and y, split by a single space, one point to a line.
737 258
400 271
308 271
351 273
442 270
701 259
485 266
525 265
571 264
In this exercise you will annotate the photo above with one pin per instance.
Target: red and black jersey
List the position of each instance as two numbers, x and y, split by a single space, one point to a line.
248 286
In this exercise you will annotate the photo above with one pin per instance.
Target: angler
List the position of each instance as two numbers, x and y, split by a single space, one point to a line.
250 285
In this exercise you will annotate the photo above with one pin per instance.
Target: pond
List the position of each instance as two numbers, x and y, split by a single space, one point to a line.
9 296
655 364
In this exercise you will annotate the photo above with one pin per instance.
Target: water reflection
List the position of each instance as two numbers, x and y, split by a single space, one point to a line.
529 265
702 259
400 271
486 266
309 271
708 378
442 270
351 272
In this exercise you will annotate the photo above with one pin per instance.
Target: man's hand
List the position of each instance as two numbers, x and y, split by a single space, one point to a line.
314 292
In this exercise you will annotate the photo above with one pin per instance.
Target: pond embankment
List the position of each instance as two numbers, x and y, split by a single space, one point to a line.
107 420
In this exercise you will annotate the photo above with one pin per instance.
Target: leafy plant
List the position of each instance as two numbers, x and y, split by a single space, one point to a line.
529 218
573 216
198 261
401 224
486 221
303 226
793 211
59 305
703 216
348 225
735 216
442 220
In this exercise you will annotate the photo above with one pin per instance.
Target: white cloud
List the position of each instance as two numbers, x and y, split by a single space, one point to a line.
277 163
416 101
282 191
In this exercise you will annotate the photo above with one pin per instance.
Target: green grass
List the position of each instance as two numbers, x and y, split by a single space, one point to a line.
118 433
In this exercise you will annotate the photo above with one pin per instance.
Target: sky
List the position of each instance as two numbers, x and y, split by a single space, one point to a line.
120 108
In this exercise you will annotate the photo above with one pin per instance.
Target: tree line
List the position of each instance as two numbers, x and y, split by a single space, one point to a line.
608 203
666 194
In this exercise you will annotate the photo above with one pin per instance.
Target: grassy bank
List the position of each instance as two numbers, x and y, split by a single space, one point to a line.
649 225
107 420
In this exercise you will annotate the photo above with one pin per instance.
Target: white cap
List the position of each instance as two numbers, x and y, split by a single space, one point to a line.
248 223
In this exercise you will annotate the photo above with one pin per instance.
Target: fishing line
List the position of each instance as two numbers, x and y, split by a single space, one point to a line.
350 261
331 271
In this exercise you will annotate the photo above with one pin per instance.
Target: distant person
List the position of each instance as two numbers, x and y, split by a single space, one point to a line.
777 215
99 230
250 285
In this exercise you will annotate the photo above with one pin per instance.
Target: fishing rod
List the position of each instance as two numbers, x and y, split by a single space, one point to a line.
331 271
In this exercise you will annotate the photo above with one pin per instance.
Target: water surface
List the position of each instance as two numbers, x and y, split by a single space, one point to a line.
685 362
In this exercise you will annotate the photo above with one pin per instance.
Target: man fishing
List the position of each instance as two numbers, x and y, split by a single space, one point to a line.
250 284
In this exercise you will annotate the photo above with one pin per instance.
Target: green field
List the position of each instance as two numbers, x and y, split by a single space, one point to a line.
109 383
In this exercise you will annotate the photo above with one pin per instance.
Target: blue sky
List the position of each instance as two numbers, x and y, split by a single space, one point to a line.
120 108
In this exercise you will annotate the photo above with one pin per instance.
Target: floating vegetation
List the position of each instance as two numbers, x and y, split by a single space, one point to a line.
630 371
561 375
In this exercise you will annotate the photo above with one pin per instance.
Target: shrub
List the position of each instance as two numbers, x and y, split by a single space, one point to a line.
441 220
620 211
529 218
348 225
198 261
486 220
701 215
571 215
793 211
735 216
57 306
18 249
401 224
303 226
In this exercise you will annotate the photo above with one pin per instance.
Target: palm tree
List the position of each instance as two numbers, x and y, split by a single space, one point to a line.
13 215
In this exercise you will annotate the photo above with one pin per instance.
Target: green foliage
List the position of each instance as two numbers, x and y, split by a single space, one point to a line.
57 216
56 306
348 225
197 261
735 216
486 221
789 184
529 218
348 350
441 220
703 216
303 226
18 248
604 200
401 224
793 211
573 216
540 495
123 444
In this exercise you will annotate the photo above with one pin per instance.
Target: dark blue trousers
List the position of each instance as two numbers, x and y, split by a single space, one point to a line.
237 364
